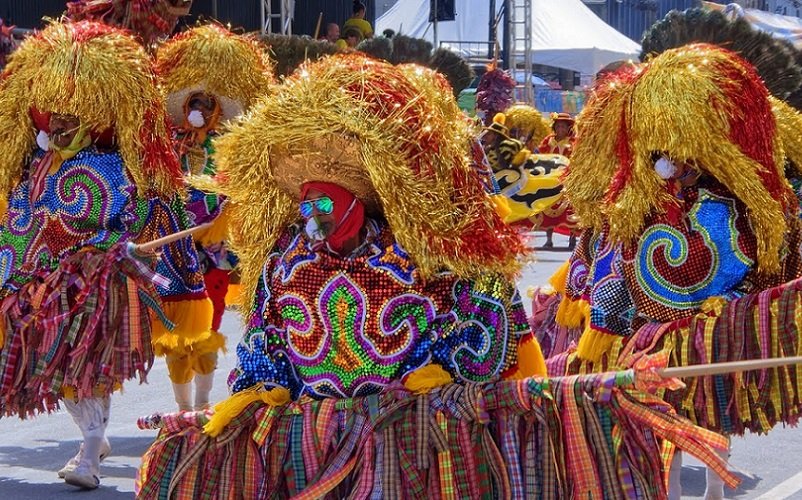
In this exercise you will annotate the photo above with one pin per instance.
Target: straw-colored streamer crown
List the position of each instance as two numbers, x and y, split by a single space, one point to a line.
392 135
594 160
528 121
698 104
210 58
102 76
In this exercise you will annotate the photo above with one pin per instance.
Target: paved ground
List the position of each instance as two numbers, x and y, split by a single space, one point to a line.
31 451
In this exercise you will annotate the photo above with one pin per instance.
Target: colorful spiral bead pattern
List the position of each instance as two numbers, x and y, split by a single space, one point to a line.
331 327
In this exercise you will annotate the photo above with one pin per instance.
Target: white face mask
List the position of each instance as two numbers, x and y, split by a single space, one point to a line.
313 230
665 168
43 140
195 118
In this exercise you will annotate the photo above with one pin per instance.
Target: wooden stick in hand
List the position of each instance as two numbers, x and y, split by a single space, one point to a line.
150 246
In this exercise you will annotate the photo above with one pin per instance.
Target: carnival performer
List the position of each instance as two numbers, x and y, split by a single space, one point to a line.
209 76
356 248
530 183
74 303
526 124
561 139
695 233
558 216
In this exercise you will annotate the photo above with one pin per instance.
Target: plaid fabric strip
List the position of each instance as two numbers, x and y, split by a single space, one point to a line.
507 433
581 468
422 432
391 471
696 441
365 466
496 465
341 465
448 489
461 473
377 491
160 467
468 455
411 476
326 424
667 451
132 329
605 461
297 454
309 446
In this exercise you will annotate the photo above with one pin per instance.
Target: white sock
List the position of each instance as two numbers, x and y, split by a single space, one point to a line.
715 485
183 396
674 481
203 388
90 416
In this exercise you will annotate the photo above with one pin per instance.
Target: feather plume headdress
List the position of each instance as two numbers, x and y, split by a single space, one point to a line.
698 104
234 68
102 76
392 135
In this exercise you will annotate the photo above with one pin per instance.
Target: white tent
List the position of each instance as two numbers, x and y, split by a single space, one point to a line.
785 27
565 34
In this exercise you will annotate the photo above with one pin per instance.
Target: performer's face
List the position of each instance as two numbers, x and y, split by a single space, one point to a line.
326 222
561 130
203 102
63 129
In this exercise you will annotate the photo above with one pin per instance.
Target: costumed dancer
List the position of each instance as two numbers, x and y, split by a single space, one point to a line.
527 124
74 304
379 273
698 234
209 76
558 216
530 183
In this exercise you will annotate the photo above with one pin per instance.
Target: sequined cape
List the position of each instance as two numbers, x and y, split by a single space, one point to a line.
327 326
700 248
91 201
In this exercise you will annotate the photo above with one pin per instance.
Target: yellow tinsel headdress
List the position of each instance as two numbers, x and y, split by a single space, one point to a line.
102 76
594 160
528 121
384 132
234 68
705 106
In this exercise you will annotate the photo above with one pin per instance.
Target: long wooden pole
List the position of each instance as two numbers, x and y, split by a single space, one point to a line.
317 28
728 367
166 240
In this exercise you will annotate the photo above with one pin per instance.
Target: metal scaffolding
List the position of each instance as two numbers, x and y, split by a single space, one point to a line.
519 27
279 21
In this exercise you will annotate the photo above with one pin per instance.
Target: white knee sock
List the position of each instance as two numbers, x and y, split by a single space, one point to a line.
203 388
90 416
674 482
183 396
715 485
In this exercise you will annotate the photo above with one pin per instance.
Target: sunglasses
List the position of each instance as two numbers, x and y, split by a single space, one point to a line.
324 205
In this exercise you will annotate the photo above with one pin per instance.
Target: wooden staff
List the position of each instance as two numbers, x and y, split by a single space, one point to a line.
728 367
317 28
166 240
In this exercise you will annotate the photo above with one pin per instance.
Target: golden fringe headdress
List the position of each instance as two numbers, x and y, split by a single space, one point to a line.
789 128
594 160
387 133
528 121
234 68
705 106
102 76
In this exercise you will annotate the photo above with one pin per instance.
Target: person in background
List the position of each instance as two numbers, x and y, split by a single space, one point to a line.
358 22
350 39
332 34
